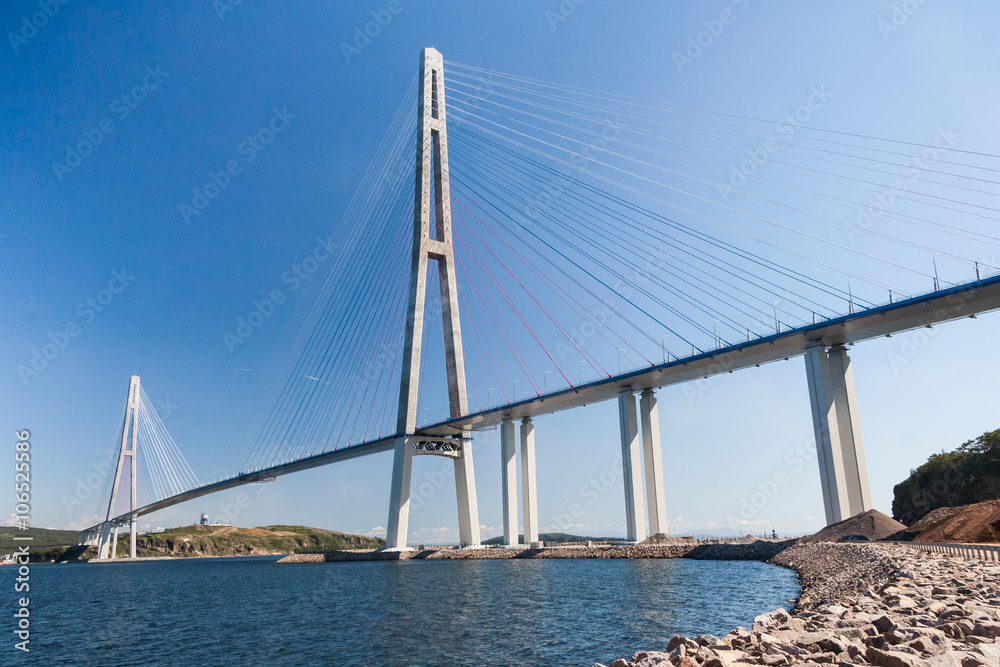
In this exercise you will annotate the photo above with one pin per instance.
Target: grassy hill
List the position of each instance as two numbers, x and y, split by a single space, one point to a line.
230 541
193 541
968 475
43 537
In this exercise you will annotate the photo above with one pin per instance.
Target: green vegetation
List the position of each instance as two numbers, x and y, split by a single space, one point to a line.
229 541
192 541
42 537
970 474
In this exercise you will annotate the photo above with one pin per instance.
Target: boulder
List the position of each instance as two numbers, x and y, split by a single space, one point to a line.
891 658
776 617
986 629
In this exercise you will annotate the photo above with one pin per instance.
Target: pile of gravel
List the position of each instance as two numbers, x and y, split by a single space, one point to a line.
872 524
979 522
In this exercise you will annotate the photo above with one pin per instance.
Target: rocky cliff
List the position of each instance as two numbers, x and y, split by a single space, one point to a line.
968 475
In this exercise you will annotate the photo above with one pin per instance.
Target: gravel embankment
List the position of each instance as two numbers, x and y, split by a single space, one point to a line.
616 551
862 605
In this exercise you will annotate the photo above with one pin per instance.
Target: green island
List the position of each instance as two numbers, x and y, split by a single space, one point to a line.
193 542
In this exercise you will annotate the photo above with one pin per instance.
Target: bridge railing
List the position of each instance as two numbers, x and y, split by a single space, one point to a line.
981 551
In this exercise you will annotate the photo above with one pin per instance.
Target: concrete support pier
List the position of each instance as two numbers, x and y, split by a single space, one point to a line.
529 488
399 496
631 467
508 481
842 469
656 502
465 494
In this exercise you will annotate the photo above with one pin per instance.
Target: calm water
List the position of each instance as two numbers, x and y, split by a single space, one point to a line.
251 611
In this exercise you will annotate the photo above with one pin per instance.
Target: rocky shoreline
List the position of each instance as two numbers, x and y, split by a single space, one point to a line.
731 550
870 604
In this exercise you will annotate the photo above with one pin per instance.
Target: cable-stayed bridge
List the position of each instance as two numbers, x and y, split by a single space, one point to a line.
571 247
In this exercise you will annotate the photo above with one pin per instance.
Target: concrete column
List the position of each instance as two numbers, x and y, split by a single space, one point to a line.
631 467
656 502
465 494
831 472
131 538
508 483
529 491
399 496
849 429
104 543
843 473
114 543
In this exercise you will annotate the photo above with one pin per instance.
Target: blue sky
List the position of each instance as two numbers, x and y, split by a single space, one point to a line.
207 83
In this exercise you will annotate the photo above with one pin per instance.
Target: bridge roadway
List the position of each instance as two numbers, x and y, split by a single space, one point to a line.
966 300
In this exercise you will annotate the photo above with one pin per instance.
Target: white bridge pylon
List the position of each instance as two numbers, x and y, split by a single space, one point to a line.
432 157
168 474
129 445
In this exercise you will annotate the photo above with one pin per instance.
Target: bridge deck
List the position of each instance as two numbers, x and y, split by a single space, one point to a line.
937 307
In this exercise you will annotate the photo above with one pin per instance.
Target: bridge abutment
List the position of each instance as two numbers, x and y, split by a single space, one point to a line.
842 468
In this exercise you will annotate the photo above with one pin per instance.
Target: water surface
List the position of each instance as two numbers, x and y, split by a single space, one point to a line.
243 611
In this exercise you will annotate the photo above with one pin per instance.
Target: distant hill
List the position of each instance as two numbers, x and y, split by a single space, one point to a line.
193 541
558 538
968 475
230 541
42 537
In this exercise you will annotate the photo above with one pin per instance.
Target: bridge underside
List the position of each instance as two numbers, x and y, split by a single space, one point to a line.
828 369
